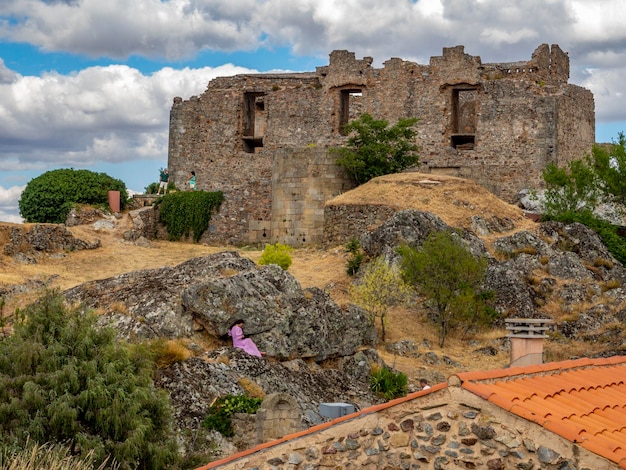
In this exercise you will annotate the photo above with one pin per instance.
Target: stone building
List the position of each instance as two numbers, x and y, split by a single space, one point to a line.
263 139
559 415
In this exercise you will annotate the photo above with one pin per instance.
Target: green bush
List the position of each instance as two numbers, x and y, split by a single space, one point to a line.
223 408
374 148
276 254
607 232
446 273
388 384
188 213
64 380
356 258
49 197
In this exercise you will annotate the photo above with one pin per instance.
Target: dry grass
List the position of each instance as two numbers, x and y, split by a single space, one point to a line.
454 200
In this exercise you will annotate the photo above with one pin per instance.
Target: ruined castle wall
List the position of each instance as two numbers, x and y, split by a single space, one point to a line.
576 131
343 222
498 124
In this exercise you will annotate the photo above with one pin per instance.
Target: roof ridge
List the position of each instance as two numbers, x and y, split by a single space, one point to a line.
549 368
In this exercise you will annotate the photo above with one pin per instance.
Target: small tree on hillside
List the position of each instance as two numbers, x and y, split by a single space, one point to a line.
63 380
447 274
375 149
609 164
380 287
571 189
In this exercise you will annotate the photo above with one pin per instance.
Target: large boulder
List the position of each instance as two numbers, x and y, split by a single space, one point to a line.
412 227
211 292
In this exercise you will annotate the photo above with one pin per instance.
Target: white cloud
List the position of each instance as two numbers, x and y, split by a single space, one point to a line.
8 204
608 92
112 113
119 28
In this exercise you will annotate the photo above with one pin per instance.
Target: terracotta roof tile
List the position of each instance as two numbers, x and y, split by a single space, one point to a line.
582 400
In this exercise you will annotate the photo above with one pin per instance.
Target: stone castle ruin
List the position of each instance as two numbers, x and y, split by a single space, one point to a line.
264 139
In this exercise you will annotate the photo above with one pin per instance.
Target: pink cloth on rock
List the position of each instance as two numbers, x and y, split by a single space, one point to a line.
243 343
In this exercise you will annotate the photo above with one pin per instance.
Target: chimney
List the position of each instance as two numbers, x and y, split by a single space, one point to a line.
527 336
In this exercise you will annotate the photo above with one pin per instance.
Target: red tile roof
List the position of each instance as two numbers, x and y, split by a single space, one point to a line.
582 400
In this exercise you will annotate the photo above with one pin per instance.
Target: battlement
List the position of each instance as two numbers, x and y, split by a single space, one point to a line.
263 139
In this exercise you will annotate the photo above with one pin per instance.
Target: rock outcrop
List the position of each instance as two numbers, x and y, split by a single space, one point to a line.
30 241
211 292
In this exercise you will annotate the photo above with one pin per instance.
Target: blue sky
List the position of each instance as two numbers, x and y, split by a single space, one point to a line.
89 83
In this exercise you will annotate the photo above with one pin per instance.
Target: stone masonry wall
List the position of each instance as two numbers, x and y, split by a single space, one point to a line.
497 123
343 222
303 181
446 428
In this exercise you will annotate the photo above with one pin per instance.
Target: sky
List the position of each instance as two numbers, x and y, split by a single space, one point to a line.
88 84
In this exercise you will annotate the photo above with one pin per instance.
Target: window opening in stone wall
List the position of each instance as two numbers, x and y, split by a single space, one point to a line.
351 106
254 120
464 104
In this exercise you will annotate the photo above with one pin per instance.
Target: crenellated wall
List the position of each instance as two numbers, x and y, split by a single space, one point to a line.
256 136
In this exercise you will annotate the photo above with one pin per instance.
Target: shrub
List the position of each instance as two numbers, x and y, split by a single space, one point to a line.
380 286
63 380
221 411
374 148
188 213
447 273
388 384
356 256
276 254
49 197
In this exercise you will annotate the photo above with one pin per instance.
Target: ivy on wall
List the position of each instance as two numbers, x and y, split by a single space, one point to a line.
188 213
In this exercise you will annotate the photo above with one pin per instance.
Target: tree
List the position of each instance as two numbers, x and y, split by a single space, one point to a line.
49 197
609 164
573 193
375 149
447 274
571 189
62 380
380 287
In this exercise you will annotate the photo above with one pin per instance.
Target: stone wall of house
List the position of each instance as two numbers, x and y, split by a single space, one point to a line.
447 428
499 124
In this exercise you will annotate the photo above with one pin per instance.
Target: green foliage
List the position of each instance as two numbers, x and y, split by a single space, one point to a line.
186 213
374 149
356 256
609 164
388 384
224 407
276 254
607 232
63 380
451 278
574 188
49 197
380 287
573 194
